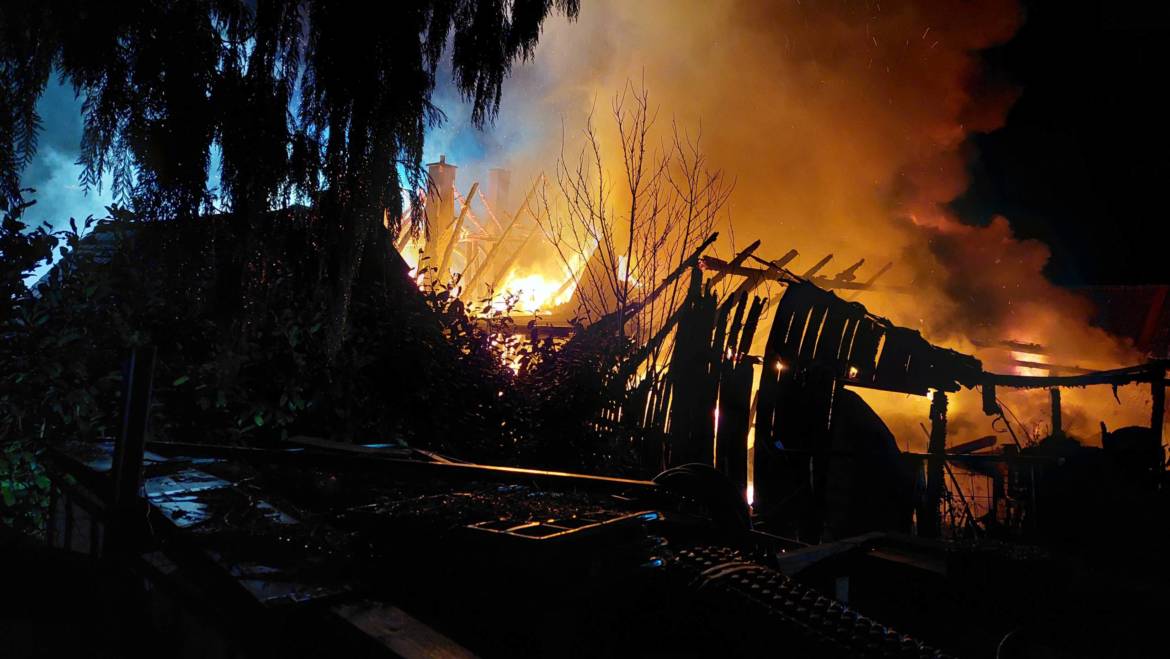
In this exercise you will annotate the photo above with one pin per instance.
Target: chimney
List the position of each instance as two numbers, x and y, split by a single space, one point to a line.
499 183
440 208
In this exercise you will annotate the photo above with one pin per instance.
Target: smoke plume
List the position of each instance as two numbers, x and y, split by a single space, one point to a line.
844 127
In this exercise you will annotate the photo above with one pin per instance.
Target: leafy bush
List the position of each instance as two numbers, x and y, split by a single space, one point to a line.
414 368
23 484
243 357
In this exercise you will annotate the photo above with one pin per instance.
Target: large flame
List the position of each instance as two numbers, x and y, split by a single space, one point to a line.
844 125
533 292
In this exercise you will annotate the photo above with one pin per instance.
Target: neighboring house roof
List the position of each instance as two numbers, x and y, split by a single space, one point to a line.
97 245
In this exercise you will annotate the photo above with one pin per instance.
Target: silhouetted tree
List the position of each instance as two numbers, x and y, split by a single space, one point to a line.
311 100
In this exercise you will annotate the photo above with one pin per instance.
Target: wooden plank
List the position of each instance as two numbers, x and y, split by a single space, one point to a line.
974 445
399 632
850 273
487 262
749 327
817 268
503 271
688 263
1149 372
735 391
719 265
774 270
735 262
872 280
449 248
732 344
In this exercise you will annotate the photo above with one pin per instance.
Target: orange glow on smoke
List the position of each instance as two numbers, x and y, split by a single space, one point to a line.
844 127
1033 358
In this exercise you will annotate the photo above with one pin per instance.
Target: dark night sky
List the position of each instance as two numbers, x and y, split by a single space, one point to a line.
1083 162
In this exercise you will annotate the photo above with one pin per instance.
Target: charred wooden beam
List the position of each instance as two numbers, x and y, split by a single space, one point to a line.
503 270
979 444
735 262
850 273
1018 346
481 232
716 264
491 212
449 248
774 269
688 263
873 280
487 262
719 265
1154 370
1051 368
885 268
779 263
817 268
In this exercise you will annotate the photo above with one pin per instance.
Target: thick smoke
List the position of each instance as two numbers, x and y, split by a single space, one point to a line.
843 124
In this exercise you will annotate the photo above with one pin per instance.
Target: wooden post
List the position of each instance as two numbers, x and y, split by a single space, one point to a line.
928 521
1057 424
126 506
128 450
1158 403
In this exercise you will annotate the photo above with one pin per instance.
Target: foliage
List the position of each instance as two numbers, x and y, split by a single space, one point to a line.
24 488
571 389
315 99
635 218
415 369
23 485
